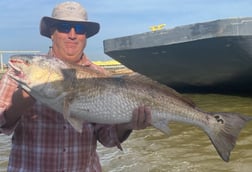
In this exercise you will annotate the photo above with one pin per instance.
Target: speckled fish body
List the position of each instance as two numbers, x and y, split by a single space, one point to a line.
82 94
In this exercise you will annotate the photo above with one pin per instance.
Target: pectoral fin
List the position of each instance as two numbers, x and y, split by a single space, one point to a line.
75 123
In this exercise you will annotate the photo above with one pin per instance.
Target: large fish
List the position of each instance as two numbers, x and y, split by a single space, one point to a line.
82 94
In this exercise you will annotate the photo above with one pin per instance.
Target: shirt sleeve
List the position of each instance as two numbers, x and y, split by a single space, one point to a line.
90 64
7 87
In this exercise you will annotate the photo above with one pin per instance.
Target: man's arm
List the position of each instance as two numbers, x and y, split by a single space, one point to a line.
20 102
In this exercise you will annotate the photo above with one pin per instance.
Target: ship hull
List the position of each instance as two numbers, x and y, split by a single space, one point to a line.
214 55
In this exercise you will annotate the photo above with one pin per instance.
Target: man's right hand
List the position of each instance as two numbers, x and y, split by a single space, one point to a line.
21 101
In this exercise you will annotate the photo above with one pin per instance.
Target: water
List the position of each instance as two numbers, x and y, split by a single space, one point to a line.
5 144
187 149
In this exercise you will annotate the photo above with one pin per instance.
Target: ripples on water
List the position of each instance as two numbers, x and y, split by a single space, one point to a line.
187 149
4 151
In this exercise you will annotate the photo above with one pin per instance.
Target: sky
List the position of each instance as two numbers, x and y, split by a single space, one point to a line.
19 27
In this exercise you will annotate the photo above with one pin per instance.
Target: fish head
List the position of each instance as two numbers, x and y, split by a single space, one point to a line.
38 73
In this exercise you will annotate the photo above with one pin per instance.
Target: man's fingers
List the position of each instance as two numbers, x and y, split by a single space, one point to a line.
147 112
141 118
135 118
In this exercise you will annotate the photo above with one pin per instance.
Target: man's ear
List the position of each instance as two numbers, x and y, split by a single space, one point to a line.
52 37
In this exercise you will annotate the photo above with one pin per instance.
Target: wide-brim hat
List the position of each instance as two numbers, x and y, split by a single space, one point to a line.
68 12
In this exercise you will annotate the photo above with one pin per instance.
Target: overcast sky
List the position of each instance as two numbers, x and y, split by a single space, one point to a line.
19 27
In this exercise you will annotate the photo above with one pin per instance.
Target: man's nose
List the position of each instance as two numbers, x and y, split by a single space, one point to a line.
72 33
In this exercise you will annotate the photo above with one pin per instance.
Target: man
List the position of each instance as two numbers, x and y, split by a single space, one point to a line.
42 139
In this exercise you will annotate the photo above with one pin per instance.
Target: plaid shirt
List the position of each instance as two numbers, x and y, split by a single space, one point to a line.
44 141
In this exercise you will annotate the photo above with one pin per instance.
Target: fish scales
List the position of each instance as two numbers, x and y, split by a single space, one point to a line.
82 94
127 95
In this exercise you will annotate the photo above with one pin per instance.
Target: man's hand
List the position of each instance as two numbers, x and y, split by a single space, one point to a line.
141 118
21 101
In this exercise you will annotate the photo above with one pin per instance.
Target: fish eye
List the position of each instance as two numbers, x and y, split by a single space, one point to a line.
27 62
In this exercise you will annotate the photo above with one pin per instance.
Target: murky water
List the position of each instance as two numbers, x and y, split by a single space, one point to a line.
187 149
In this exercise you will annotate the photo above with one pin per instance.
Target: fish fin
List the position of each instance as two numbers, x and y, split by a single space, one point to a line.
168 91
75 123
162 125
224 133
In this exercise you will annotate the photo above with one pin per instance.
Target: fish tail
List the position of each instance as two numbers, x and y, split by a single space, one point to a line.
225 130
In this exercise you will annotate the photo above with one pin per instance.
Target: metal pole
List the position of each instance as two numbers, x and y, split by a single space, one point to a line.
1 61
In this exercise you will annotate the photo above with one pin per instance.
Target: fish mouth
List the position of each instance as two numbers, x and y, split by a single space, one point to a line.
16 72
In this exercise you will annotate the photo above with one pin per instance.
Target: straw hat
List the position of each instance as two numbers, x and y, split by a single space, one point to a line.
69 12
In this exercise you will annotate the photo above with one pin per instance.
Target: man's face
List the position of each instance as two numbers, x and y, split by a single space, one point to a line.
68 46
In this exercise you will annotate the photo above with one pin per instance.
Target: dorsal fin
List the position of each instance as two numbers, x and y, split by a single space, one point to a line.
141 79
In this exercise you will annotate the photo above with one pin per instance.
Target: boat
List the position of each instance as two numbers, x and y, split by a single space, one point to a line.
213 56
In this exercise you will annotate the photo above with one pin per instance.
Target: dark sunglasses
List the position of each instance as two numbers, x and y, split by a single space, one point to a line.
66 27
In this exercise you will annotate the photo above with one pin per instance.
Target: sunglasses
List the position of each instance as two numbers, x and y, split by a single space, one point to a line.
66 28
